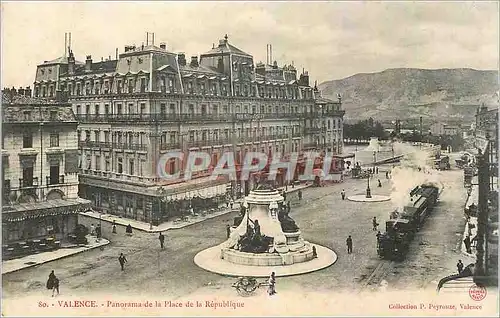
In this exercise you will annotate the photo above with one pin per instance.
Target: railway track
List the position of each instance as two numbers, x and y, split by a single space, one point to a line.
377 275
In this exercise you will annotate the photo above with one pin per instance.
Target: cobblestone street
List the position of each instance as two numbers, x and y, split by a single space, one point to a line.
324 218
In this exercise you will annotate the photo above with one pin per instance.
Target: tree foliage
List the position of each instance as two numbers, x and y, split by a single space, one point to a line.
364 130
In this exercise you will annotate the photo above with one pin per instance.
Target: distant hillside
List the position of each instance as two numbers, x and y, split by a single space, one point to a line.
410 93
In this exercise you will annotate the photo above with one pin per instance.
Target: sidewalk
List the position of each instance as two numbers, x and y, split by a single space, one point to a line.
17 264
170 225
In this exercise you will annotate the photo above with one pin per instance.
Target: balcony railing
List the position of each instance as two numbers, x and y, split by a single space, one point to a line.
148 117
101 144
335 113
129 146
312 130
59 180
201 143
167 146
310 145
151 117
28 183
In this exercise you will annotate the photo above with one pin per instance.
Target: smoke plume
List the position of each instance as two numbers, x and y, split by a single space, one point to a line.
416 168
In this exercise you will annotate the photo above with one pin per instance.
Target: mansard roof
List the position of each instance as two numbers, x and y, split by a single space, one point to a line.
199 69
60 60
15 99
226 48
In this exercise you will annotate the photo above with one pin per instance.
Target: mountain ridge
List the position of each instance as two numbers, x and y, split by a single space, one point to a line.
414 92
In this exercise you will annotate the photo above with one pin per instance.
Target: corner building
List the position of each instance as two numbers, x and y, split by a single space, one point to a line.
40 199
149 101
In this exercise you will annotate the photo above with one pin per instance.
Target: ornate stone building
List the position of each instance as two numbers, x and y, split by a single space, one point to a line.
39 167
149 101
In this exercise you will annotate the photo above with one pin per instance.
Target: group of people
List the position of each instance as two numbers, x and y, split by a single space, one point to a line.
95 230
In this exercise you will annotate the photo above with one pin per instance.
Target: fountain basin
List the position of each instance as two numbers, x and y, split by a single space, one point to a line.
301 254
210 260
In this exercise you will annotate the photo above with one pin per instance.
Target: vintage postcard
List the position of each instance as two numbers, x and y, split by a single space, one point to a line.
230 158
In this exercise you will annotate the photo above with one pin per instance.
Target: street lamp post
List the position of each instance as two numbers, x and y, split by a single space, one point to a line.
100 226
245 206
368 191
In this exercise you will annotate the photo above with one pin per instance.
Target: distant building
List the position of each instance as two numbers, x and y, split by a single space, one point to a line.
148 101
487 127
442 129
39 167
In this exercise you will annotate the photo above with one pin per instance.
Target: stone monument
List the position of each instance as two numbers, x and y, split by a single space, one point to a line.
264 237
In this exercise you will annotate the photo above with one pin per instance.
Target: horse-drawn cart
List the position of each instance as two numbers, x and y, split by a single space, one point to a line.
246 286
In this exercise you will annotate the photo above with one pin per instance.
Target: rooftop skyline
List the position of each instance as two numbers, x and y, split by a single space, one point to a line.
330 40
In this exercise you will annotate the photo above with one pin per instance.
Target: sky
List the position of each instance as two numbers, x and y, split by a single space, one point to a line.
331 40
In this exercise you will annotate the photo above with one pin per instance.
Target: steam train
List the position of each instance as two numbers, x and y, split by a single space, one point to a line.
402 226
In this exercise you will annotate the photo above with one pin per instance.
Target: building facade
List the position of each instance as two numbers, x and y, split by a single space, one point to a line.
149 101
39 167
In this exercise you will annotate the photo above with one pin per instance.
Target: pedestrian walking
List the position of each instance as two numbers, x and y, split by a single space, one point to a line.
299 194
387 174
460 266
50 281
379 183
128 230
114 228
374 223
272 284
288 206
161 237
467 243
342 194
55 286
474 241
378 235
376 170
122 259
231 203
228 230
92 229
98 231
349 245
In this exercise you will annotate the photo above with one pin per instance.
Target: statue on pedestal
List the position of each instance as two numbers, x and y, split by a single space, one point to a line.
288 225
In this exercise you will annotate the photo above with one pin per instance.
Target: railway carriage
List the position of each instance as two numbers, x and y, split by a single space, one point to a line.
401 228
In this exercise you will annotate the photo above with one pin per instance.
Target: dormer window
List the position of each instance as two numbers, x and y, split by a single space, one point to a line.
50 71
42 71
139 59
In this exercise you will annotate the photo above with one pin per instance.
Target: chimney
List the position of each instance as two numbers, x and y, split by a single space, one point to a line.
181 59
270 53
116 54
88 63
163 46
304 79
194 61
27 91
267 54
20 91
71 63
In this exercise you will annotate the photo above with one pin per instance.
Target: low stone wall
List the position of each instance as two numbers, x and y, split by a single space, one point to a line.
266 259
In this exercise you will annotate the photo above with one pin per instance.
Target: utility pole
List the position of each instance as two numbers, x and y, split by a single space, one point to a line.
481 270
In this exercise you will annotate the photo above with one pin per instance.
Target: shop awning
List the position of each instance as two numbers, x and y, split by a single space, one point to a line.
23 211
344 156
